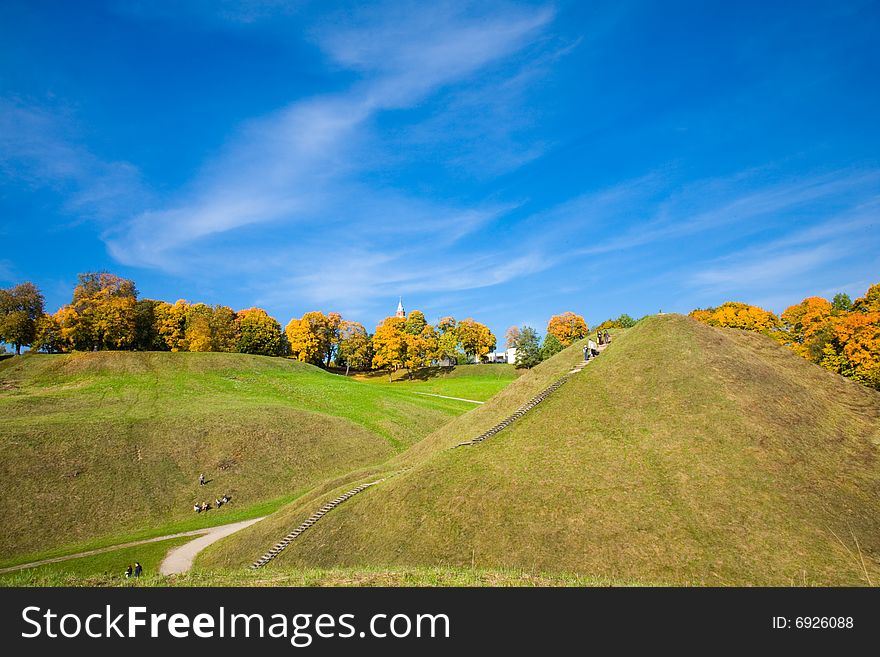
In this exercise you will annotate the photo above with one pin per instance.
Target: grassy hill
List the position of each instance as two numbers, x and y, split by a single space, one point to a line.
109 443
684 454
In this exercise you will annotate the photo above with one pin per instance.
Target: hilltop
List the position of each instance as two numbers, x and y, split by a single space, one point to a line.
684 454
108 443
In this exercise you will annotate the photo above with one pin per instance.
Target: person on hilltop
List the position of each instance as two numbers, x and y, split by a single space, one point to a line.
138 569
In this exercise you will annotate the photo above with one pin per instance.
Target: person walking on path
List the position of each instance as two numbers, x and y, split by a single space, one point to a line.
594 350
607 337
202 479
587 352
138 569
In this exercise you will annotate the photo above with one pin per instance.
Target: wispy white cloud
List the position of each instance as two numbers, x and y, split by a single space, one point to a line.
298 170
796 260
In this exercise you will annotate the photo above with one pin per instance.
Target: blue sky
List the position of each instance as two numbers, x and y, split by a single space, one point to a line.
505 161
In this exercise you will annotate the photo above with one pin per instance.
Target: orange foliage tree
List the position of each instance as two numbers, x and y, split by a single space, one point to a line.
567 327
838 337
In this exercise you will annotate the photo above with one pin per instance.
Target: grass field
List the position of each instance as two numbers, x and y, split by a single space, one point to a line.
99 447
108 566
477 382
685 454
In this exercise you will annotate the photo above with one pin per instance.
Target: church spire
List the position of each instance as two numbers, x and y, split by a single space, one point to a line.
400 311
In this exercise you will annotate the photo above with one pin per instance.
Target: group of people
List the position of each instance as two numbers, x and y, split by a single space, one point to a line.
592 349
205 506
136 572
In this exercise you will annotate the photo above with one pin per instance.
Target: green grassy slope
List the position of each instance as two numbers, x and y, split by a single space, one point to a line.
107 443
477 382
109 566
684 454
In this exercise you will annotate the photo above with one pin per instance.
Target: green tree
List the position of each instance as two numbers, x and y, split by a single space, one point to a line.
147 336
21 307
551 347
841 301
528 349
625 321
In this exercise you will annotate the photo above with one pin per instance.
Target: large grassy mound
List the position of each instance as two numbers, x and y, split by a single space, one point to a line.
684 454
104 443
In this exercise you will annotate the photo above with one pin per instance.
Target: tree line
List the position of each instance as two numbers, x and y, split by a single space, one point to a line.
840 335
105 313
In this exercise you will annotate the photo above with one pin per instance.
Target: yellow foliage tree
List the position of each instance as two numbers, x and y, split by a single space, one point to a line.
389 345
475 339
870 302
305 337
171 323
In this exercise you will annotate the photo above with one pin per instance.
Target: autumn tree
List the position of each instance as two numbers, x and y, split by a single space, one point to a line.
355 347
528 348
314 337
224 328
476 339
870 302
854 347
48 336
807 326
421 348
197 328
511 335
739 315
102 314
415 323
568 327
258 333
171 323
21 307
389 345
448 347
